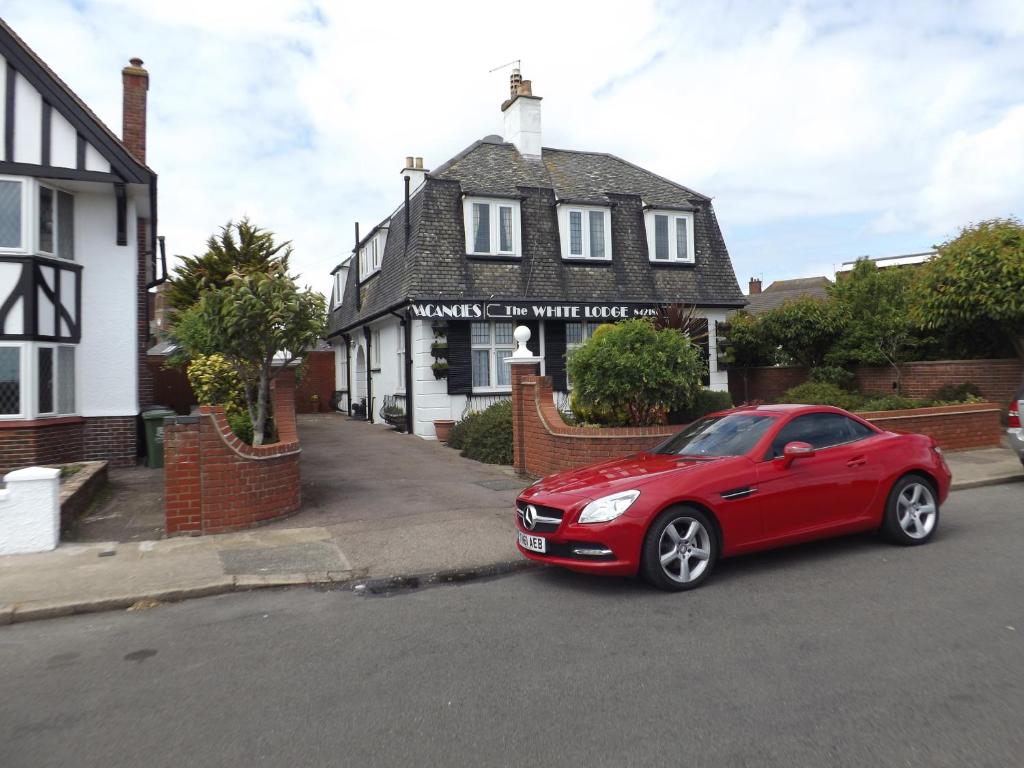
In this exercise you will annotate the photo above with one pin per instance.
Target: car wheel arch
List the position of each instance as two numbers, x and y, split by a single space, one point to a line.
682 503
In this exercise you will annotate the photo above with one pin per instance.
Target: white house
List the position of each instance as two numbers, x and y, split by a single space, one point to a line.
77 252
510 232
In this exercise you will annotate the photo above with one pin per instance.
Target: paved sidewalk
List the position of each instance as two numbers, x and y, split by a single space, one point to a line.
449 535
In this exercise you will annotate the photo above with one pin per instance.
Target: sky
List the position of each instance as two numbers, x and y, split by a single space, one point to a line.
823 131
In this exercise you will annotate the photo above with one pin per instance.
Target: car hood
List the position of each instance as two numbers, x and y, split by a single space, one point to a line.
622 474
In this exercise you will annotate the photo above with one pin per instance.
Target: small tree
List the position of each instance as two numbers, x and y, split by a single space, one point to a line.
977 277
804 329
261 322
635 368
241 247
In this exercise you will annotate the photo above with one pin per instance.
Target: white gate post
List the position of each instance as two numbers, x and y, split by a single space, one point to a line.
30 511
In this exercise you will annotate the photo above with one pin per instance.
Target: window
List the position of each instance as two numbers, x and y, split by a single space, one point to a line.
670 237
732 435
575 335
12 214
10 381
491 343
401 358
371 254
585 232
45 379
65 379
492 227
821 430
375 350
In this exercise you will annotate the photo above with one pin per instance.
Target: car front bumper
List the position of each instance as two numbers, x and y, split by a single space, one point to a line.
1016 438
568 546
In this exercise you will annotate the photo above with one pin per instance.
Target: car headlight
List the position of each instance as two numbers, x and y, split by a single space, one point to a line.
608 507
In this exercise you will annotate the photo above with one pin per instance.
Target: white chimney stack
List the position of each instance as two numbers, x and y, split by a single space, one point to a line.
415 171
522 117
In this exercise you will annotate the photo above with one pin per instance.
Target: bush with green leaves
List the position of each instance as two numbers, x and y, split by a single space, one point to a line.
634 367
457 436
596 414
214 382
889 403
957 393
487 436
704 402
821 393
805 329
830 374
745 343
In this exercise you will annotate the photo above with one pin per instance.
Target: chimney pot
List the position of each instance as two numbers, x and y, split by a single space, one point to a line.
525 88
408 161
419 163
135 62
755 286
514 81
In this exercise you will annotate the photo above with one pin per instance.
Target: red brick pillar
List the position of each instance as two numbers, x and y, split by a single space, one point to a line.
522 398
182 481
283 398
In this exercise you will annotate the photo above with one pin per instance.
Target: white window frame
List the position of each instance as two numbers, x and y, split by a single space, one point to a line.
375 349
494 218
27 210
673 256
565 233
400 389
24 407
495 358
371 254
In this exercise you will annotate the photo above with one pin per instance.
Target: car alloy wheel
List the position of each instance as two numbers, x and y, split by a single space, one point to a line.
916 510
680 549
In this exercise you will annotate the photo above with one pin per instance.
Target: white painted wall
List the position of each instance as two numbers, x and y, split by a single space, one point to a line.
94 161
430 396
719 379
63 141
522 125
106 359
28 116
30 511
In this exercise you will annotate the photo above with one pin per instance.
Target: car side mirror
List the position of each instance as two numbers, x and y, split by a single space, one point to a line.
796 450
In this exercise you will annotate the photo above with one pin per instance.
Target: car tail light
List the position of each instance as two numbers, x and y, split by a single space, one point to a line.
1014 416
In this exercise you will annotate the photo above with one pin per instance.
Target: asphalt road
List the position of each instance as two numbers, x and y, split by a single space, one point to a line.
849 652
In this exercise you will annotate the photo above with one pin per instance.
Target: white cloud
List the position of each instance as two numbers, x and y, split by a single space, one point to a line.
300 114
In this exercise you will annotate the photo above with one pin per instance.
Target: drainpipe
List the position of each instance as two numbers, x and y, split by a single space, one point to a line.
348 371
359 277
408 224
406 322
369 374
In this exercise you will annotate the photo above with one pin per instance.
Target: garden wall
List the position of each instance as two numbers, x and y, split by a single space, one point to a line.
317 386
543 443
997 379
215 483
954 427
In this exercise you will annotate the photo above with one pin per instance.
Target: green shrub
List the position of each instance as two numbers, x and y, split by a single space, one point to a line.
706 401
215 382
240 424
634 367
488 436
819 393
591 413
831 374
890 403
956 393
457 437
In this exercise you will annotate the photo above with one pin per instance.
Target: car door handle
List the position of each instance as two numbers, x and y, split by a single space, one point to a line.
858 461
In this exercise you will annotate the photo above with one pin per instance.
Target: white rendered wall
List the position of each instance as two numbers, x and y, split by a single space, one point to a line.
63 141
430 399
30 511
28 116
719 379
106 366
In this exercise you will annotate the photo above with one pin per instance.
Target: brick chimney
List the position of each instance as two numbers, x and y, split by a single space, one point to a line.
522 116
135 81
755 286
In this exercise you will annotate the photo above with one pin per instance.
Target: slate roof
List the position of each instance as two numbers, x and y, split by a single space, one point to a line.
781 291
434 264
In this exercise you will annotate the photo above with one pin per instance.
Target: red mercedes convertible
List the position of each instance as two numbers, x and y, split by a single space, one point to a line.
734 482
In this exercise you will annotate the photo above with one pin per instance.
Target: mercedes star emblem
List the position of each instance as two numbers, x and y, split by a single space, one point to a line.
530 517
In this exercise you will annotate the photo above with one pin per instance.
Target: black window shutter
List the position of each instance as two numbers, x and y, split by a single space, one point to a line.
534 343
554 355
460 359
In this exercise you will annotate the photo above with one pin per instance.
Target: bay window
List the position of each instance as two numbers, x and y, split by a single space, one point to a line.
13 214
10 381
492 341
585 232
37 380
492 226
51 215
670 237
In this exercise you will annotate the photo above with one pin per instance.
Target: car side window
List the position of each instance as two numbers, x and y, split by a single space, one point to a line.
859 431
821 430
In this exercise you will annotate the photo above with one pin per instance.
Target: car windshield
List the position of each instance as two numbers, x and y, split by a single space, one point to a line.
731 435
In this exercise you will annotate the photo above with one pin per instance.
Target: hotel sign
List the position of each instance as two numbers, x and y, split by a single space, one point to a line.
530 310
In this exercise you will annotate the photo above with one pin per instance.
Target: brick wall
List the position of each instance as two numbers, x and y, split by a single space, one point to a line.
318 380
43 441
543 443
215 483
111 438
997 379
954 427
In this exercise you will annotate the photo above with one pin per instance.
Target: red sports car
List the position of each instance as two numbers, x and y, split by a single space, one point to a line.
734 482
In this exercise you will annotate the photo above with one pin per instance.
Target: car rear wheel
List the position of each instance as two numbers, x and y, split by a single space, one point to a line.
912 511
680 549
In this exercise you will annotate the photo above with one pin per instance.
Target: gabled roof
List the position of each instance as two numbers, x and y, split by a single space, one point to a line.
781 291
60 96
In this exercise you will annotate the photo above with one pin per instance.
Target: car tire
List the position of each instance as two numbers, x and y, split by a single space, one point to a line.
911 511
680 549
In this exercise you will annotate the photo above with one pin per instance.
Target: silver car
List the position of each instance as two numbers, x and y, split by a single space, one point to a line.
1014 428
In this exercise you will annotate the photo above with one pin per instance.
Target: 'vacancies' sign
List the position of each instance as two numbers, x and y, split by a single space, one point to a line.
527 310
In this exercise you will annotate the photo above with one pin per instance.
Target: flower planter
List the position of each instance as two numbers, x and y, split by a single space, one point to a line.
440 370
439 350
443 429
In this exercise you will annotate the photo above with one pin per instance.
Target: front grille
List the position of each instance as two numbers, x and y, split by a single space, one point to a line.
555 514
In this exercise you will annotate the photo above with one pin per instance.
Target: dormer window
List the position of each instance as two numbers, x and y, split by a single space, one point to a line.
492 226
670 237
585 232
372 253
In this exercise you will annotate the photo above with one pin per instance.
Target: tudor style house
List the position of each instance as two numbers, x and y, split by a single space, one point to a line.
509 232
77 252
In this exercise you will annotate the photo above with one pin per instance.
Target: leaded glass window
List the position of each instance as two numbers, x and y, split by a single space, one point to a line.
661 238
505 228
597 234
681 241
10 214
45 379
576 233
10 381
46 216
65 225
481 228
66 379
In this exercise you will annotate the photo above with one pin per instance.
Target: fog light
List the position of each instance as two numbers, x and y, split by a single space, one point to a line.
591 551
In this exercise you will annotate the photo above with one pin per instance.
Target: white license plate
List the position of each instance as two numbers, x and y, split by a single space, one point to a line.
532 543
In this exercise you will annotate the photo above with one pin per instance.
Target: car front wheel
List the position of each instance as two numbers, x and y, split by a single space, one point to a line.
912 511
680 549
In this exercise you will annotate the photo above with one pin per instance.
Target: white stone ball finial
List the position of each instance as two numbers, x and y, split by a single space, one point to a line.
522 335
